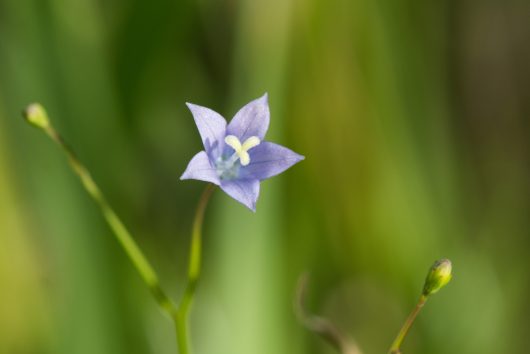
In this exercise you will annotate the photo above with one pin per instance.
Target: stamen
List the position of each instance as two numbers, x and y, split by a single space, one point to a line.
233 142
241 150
251 142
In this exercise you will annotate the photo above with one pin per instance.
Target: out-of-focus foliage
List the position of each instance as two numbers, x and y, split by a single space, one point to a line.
413 116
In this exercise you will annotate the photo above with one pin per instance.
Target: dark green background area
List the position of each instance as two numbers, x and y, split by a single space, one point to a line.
414 120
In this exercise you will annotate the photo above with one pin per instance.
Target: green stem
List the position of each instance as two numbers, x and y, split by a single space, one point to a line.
36 115
395 348
123 236
194 269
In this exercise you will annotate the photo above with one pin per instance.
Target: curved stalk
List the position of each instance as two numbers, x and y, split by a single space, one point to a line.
320 325
36 115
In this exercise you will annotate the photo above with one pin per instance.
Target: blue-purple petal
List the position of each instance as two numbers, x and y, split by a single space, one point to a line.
244 191
251 120
200 168
212 128
269 159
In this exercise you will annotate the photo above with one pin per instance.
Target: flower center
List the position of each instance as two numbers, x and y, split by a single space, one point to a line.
228 168
241 150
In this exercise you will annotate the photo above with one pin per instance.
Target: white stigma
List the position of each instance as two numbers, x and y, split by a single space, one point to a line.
241 150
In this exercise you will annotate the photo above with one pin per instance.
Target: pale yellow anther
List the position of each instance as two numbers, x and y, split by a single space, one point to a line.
244 158
233 142
241 150
251 142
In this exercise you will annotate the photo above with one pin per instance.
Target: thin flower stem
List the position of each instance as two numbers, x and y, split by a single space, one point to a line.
121 233
395 348
194 268
36 115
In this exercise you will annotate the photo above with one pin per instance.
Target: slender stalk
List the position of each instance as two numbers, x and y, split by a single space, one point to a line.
123 236
36 115
395 348
194 268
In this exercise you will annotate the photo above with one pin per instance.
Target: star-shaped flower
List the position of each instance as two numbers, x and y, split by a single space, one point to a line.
235 157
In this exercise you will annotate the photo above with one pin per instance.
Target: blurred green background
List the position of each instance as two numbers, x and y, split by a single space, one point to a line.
414 120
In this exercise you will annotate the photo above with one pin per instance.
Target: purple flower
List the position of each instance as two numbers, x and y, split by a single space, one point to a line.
235 157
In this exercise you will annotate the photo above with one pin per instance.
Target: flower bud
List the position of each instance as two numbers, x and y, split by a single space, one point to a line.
36 115
439 275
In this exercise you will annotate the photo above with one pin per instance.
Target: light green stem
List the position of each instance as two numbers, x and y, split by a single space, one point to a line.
36 115
395 348
123 236
194 269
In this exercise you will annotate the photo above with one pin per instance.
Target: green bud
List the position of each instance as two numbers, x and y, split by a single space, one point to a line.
439 275
36 115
